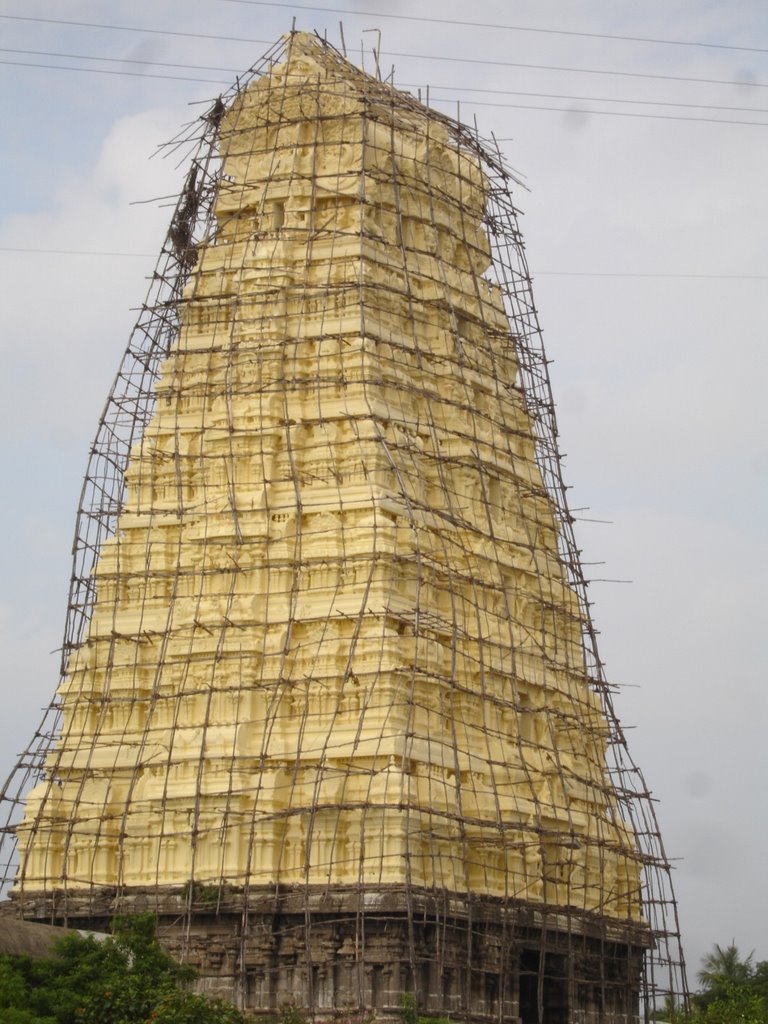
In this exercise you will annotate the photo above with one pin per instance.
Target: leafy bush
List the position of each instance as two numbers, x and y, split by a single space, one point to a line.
734 990
126 979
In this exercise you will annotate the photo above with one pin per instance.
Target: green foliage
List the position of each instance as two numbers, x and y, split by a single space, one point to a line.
759 979
736 1004
13 986
722 972
126 979
290 1014
734 990
203 895
185 1008
12 1015
409 1013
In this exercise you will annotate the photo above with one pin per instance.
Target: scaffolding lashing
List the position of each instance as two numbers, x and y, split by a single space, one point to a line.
331 702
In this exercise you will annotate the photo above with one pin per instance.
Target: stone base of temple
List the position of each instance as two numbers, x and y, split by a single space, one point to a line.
342 953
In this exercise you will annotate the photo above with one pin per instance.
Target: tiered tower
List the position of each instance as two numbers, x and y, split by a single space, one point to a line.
331 705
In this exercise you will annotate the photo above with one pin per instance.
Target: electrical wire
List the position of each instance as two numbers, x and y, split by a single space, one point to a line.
406 85
73 252
107 71
604 113
579 71
119 60
395 53
437 99
500 26
619 273
583 99
134 28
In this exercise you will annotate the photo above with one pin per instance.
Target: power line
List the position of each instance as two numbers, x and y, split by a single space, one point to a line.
394 53
586 99
133 28
119 60
74 252
107 71
603 113
581 71
407 85
436 99
534 273
698 277
501 26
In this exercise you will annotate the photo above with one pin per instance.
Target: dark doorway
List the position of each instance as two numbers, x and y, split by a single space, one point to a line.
543 988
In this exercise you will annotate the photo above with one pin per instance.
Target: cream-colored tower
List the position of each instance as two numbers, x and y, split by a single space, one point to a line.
333 642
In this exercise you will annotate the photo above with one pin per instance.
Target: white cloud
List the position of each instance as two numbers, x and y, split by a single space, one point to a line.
67 319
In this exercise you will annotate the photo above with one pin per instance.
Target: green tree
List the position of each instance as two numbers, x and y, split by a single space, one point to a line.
669 1010
186 1008
126 979
760 979
734 990
721 972
737 1004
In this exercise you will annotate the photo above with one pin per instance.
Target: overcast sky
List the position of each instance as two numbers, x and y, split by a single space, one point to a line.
646 228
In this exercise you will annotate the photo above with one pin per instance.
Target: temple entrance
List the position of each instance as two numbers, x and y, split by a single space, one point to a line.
543 988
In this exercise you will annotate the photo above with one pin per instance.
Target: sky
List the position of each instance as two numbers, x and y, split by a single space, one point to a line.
641 132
